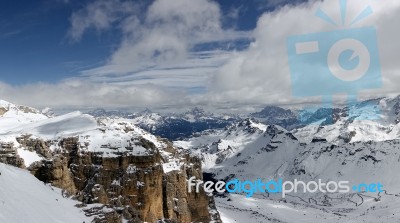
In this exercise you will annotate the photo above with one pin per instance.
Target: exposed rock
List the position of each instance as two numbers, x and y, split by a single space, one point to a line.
347 136
27 109
176 197
198 202
37 145
180 205
103 214
3 110
9 155
56 172
134 187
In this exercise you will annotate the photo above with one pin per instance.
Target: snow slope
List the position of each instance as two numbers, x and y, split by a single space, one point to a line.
376 120
251 151
105 136
239 209
35 137
23 198
16 116
215 146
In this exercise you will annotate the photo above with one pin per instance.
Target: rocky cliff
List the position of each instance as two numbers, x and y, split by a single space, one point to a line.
135 188
117 170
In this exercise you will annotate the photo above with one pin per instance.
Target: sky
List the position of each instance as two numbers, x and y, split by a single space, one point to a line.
168 53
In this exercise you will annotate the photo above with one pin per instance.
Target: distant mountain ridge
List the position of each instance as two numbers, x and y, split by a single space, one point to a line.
349 149
93 155
173 126
117 171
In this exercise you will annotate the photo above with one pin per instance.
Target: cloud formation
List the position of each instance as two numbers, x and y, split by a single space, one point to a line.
261 73
99 15
164 36
77 93
156 64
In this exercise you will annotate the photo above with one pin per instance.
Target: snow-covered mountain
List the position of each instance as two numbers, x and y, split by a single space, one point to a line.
177 126
249 150
215 146
376 120
172 126
24 198
92 156
13 115
101 112
118 171
274 115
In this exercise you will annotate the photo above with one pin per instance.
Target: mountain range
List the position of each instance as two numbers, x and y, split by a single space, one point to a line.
113 170
173 126
358 143
121 166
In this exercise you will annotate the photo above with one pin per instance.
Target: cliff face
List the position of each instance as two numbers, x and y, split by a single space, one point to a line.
117 170
9 155
133 187
178 203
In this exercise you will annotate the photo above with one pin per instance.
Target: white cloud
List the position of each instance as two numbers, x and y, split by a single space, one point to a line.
261 73
76 93
154 64
163 37
99 15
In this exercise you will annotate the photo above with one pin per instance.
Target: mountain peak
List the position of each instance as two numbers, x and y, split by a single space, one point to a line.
251 125
197 111
274 111
146 111
4 103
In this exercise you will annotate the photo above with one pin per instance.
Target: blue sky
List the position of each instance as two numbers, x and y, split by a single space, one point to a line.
167 53
35 46
34 42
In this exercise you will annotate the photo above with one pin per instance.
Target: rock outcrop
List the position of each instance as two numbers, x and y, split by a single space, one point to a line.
9 155
135 188
118 171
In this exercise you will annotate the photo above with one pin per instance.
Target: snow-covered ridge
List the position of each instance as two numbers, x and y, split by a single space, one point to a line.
250 149
172 125
376 119
106 160
108 136
372 120
24 198
12 116
246 152
215 145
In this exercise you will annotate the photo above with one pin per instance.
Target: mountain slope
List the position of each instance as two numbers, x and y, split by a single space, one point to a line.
12 115
249 151
23 198
117 170
376 120
171 126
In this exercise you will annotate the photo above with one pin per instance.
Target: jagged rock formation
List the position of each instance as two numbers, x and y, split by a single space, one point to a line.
3 110
136 187
118 171
8 155
35 145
